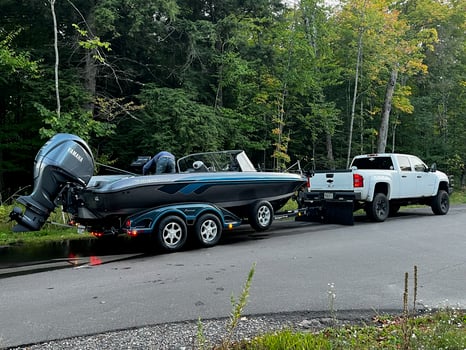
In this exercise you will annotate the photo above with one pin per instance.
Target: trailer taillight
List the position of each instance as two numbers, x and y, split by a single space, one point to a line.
358 180
97 234
133 233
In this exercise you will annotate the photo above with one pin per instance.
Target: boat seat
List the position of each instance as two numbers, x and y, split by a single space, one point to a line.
199 166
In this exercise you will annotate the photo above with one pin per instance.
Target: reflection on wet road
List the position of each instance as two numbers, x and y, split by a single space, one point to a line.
81 253
20 260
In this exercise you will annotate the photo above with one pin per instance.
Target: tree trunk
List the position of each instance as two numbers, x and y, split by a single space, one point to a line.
330 158
90 74
311 33
387 107
90 68
355 94
219 95
57 58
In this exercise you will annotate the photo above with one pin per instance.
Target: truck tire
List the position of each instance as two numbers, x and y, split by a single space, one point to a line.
378 209
208 230
261 216
440 203
172 233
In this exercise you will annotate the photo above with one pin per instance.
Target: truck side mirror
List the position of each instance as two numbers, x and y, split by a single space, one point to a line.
433 167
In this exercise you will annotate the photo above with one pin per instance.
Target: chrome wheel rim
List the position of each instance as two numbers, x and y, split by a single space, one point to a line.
263 216
172 234
209 231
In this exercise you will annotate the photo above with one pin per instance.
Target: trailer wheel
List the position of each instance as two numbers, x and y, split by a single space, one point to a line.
172 233
378 209
261 216
440 203
208 230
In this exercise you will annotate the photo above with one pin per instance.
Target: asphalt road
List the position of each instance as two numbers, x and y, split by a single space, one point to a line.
294 264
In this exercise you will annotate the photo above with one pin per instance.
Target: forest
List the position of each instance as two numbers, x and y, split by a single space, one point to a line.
306 80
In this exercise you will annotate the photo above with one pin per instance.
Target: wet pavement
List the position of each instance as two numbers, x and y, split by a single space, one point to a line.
32 258
20 259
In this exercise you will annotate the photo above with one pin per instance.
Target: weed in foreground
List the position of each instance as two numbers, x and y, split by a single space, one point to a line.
444 329
331 296
237 309
235 316
200 338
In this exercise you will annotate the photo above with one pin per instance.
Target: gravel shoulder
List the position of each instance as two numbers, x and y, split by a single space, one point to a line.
187 335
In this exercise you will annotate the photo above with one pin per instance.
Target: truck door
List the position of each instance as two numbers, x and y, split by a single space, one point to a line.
424 178
407 178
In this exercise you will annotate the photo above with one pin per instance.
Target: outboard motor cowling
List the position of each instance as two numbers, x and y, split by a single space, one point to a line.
64 159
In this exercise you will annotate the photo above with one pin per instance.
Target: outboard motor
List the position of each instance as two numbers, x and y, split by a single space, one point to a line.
64 159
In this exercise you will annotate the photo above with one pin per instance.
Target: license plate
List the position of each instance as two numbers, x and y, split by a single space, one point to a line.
328 195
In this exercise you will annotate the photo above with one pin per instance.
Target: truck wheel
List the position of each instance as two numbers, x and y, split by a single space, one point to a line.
378 209
172 233
440 203
208 230
261 216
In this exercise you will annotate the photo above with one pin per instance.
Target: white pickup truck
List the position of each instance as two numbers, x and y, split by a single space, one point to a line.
379 184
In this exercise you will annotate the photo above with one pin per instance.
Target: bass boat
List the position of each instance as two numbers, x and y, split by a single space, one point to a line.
63 175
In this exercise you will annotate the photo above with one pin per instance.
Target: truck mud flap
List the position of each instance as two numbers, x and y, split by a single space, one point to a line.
331 212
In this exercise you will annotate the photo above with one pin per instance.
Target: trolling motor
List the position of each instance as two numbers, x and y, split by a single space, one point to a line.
63 160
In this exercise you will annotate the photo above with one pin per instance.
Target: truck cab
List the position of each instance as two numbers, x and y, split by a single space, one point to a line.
380 184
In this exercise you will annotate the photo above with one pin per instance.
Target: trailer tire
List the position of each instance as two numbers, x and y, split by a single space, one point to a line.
379 208
208 230
261 216
172 233
440 203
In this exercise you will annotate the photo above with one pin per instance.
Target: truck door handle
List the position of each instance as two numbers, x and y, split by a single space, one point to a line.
419 177
403 176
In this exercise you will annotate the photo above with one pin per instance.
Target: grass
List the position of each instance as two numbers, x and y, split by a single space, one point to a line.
458 197
441 329
49 233
444 329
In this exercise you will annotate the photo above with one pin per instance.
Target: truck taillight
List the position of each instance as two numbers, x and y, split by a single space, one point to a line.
358 180
308 183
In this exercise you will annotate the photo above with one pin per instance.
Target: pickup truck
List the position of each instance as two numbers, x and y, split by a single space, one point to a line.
380 184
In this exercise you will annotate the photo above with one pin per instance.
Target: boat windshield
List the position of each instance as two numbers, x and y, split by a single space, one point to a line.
235 160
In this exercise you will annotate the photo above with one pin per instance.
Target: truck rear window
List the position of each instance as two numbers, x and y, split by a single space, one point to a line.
384 163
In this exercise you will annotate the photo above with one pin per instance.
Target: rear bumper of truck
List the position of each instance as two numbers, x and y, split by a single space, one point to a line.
328 207
328 196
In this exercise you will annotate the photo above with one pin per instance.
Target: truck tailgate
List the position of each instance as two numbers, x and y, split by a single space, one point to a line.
332 181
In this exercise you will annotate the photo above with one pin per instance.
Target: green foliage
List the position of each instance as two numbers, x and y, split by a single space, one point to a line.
238 306
172 119
50 232
77 122
290 340
12 62
458 196
92 43
235 315
43 236
444 329
272 79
